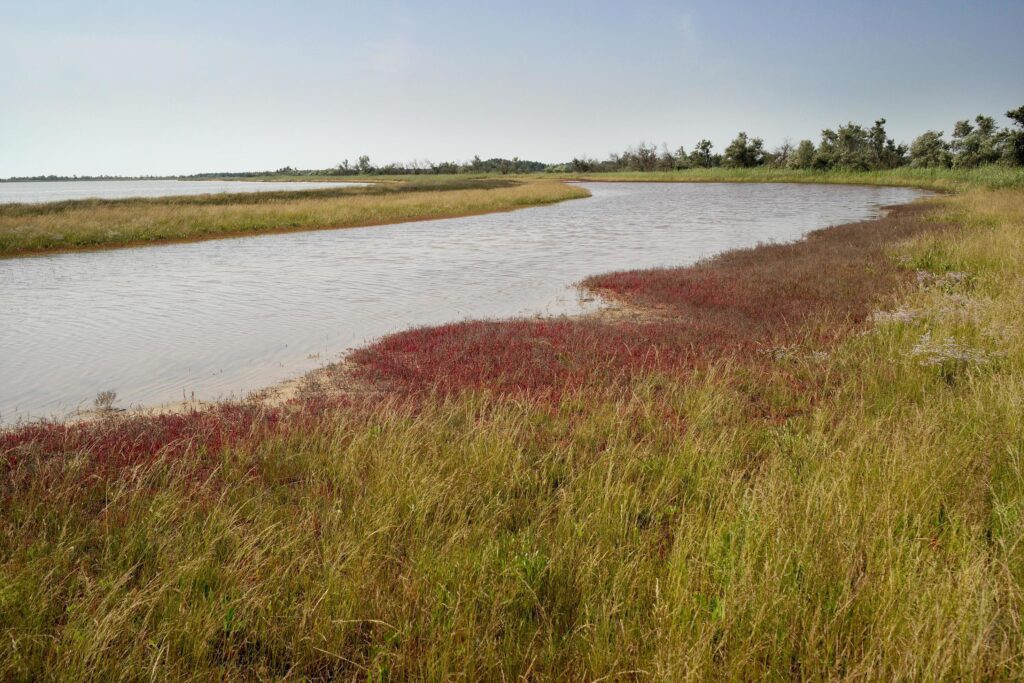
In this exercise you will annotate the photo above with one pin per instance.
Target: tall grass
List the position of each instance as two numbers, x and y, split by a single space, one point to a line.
993 177
853 510
27 228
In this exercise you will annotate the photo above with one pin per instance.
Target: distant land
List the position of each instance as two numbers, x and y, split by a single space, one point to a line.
848 147
362 167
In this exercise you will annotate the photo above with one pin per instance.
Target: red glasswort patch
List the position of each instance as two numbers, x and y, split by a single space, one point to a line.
735 304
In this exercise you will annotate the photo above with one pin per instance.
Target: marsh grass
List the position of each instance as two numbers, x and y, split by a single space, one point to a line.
29 228
942 179
815 512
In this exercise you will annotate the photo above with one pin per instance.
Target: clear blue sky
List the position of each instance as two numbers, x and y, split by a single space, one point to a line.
181 87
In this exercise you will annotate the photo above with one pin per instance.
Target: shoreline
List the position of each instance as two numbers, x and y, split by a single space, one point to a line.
567 181
845 182
391 188
614 308
142 244
834 414
84 225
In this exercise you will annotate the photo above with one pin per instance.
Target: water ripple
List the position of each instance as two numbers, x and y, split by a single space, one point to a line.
225 317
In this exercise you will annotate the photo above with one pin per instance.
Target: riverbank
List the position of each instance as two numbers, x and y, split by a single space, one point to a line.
935 179
27 229
791 461
95 224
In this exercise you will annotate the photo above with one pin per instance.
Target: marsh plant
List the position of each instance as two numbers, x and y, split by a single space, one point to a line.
105 400
616 499
951 356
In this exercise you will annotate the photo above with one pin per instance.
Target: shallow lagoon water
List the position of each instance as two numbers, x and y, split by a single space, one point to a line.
58 191
221 318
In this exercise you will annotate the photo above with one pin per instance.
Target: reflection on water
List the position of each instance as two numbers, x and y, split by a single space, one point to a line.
225 317
58 191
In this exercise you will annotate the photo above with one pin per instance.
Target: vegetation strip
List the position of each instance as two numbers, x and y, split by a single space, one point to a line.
83 224
736 305
794 461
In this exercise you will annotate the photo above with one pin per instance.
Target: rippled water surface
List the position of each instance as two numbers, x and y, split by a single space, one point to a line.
57 191
225 317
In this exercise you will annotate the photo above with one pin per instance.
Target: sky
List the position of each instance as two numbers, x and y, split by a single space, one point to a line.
132 88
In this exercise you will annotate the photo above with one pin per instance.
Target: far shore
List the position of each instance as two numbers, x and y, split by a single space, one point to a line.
75 225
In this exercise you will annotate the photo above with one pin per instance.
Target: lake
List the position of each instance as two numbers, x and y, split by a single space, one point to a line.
222 318
58 190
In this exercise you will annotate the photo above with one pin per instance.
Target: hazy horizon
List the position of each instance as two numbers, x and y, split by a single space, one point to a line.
166 89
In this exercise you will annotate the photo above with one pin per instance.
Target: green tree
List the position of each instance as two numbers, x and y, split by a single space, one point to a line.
744 152
779 157
682 160
583 165
854 148
701 156
930 150
827 154
975 145
645 157
1013 147
803 155
666 161
885 153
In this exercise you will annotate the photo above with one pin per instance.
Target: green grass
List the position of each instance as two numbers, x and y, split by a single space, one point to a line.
674 529
993 177
99 223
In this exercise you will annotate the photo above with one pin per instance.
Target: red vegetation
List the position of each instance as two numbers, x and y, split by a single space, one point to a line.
735 305
538 357
116 443
126 441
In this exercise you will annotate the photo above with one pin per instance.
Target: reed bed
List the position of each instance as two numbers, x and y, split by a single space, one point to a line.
836 493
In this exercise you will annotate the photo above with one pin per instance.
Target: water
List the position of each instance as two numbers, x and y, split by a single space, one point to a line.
57 191
225 317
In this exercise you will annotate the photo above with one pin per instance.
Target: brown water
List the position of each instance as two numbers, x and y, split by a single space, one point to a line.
225 317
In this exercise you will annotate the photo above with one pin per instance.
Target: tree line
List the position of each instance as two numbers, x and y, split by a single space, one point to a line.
848 147
363 166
